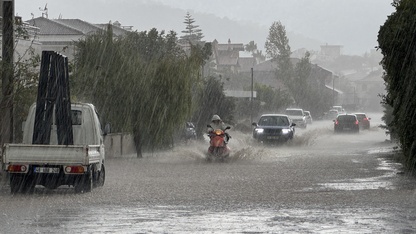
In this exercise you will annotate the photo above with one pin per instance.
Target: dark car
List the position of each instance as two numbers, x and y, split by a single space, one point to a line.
274 128
363 120
346 123
189 132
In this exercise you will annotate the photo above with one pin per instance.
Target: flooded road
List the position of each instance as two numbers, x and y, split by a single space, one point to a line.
320 183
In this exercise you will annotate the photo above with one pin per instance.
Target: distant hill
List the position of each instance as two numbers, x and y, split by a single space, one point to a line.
353 24
142 16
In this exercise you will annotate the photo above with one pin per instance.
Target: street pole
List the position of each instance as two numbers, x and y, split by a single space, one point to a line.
6 105
251 103
333 90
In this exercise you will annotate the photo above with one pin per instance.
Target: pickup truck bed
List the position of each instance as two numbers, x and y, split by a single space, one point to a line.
51 154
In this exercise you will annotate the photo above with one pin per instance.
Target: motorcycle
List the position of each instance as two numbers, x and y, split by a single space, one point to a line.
218 148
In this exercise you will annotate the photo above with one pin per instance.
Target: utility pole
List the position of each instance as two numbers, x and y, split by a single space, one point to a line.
251 103
333 90
6 103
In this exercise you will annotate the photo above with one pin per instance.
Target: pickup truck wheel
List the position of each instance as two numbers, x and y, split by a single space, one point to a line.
88 181
28 185
16 183
85 183
101 177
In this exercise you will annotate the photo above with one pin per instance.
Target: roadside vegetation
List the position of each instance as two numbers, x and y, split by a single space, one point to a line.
146 84
19 89
141 83
399 50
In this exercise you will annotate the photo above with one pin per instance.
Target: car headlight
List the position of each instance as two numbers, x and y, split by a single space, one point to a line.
259 130
285 131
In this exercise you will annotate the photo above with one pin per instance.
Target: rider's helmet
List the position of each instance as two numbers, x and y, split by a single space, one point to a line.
215 118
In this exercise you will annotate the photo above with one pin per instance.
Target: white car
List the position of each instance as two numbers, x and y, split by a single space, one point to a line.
297 116
340 109
308 116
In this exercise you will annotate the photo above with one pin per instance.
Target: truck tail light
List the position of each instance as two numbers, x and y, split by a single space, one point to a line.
74 169
17 168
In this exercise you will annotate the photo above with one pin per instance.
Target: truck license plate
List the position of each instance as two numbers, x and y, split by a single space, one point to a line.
46 170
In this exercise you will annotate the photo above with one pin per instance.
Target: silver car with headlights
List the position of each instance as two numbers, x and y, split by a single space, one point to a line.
297 116
274 128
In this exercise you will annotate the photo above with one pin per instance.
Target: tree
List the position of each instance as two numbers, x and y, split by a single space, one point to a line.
210 99
277 43
259 56
396 41
252 48
141 83
20 86
305 90
278 49
272 100
25 89
193 34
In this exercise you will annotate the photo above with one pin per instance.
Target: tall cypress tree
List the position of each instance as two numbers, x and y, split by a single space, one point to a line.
192 33
397 43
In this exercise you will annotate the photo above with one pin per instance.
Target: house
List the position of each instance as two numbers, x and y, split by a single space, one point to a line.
332 51
60 34
246 63
226 56
265 74
368 90
233 69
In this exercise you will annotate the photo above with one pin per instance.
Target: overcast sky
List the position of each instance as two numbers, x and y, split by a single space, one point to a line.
354 24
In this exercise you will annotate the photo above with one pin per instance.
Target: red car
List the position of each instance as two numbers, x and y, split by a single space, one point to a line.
363 120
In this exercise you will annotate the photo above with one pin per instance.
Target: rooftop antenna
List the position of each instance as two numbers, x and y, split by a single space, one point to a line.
44 11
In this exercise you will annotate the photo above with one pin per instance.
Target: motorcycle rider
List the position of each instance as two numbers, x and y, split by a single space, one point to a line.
217 123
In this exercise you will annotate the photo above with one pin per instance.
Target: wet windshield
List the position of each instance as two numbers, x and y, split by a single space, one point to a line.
273 121
294 112
360 116
347 118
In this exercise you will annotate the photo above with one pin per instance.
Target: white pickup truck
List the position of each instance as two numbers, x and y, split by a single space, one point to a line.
80 165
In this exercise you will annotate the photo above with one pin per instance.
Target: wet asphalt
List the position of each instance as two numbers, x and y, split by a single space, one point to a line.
320 183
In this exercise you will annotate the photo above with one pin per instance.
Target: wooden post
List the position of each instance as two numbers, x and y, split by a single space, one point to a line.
6 104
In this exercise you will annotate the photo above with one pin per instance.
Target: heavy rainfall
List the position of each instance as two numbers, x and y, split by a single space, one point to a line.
230 122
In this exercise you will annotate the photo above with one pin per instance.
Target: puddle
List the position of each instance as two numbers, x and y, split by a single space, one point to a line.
349 186
173 219
371 183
